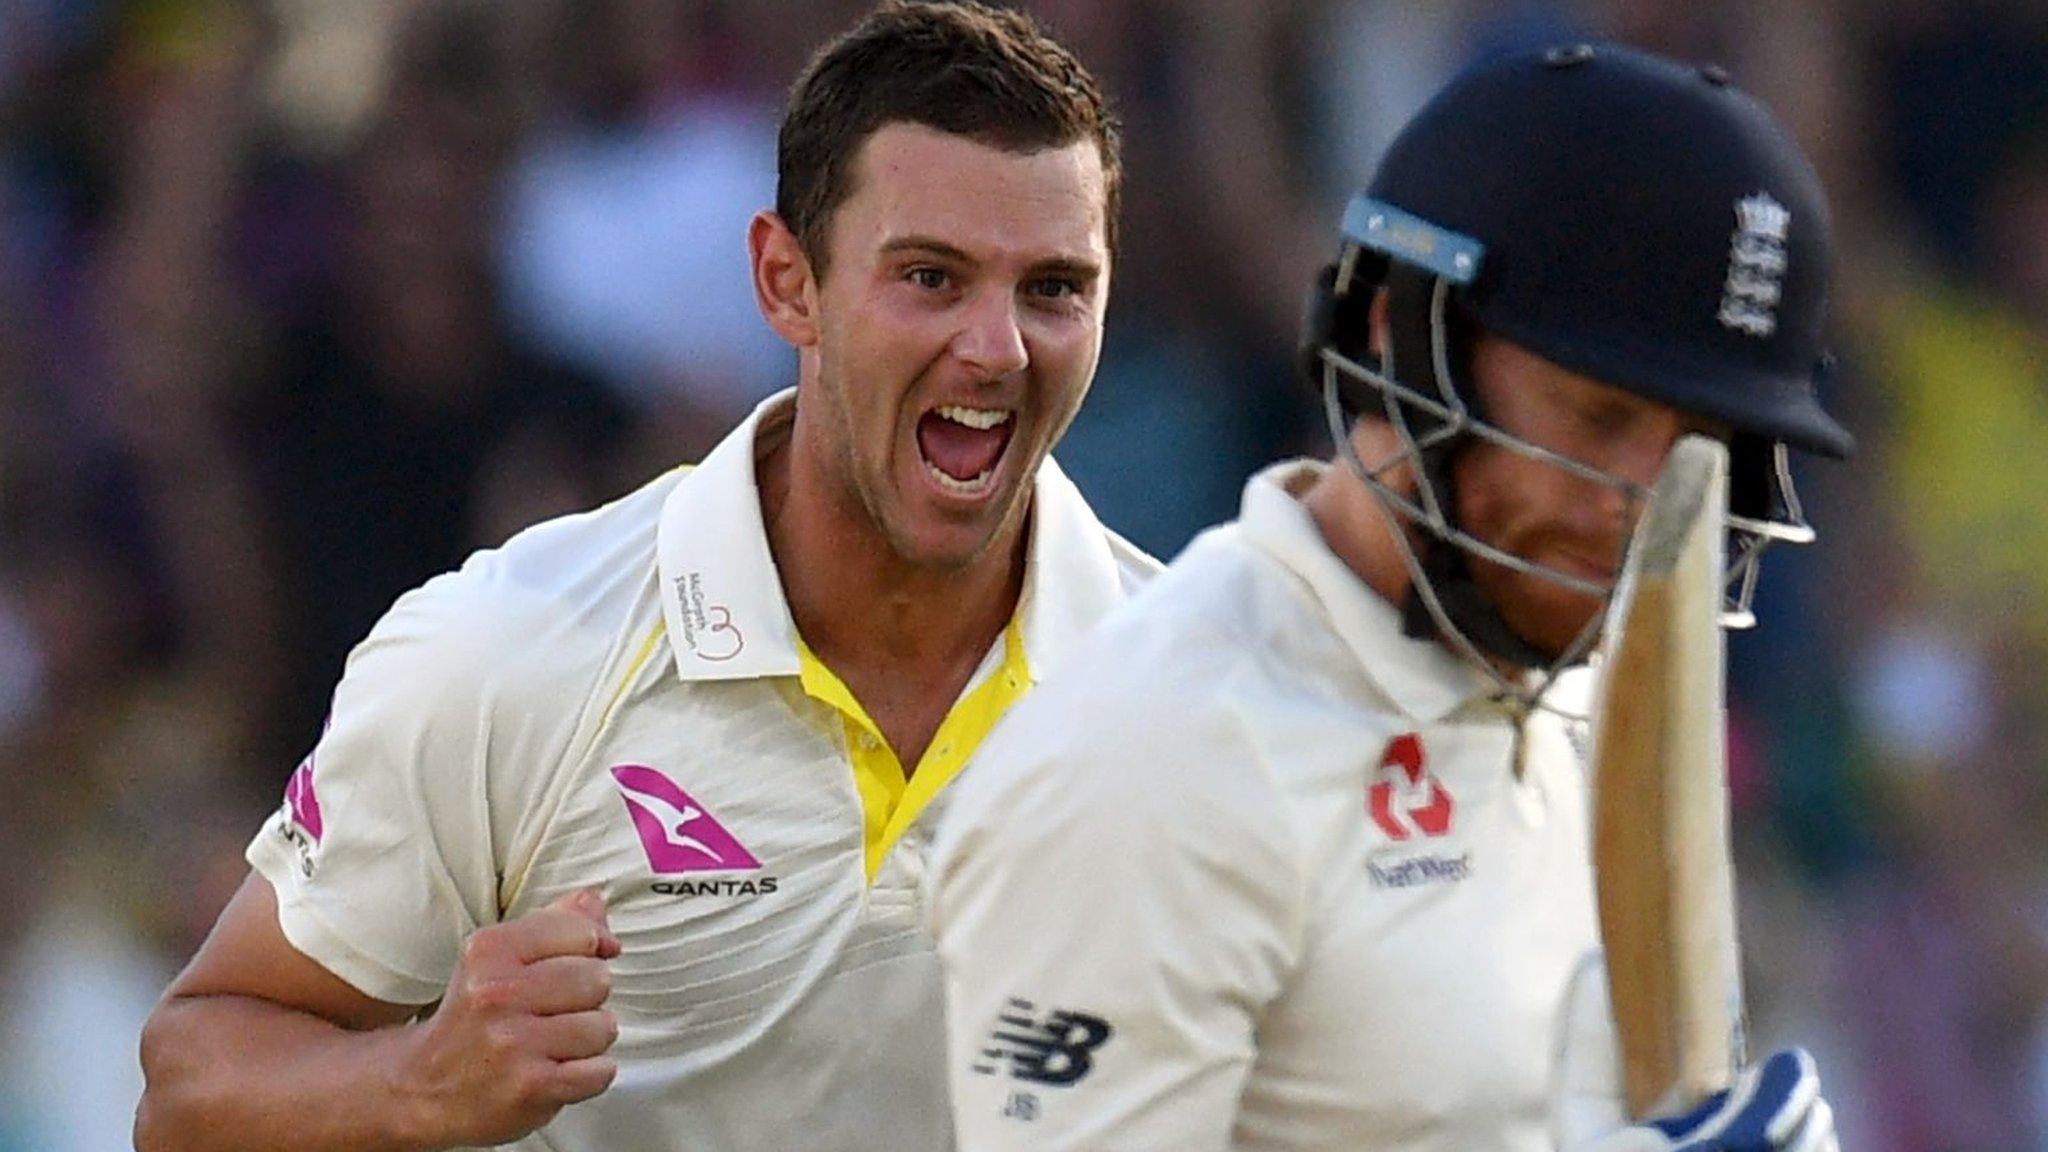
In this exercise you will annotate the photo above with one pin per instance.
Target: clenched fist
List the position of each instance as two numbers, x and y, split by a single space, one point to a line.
522 1032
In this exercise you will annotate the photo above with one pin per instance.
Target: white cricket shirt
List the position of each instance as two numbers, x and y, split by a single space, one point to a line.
1260 873
620 699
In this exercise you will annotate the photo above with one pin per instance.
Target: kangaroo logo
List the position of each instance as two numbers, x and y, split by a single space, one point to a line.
677 832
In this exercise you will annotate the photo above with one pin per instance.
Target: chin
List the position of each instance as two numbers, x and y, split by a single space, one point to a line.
939 544
1548 616
1554 621
955 537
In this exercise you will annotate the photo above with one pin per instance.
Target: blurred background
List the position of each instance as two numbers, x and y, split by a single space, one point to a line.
303 300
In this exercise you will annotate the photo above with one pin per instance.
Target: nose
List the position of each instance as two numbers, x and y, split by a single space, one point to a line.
990 340
1638 458
1640 455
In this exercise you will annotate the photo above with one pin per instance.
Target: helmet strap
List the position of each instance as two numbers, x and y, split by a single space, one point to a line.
1450 574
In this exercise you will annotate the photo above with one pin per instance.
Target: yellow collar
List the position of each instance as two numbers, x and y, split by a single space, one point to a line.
891 799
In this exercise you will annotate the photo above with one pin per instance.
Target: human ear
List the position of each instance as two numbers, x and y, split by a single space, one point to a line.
785 288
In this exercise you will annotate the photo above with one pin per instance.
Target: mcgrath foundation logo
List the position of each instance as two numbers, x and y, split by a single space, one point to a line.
1406 801
678 834
708 629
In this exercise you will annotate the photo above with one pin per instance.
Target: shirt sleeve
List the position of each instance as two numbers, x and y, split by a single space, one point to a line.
1116 896
381 854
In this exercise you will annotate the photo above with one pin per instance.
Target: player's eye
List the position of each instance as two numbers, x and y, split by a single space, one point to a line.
1606 419
926 276
1055 287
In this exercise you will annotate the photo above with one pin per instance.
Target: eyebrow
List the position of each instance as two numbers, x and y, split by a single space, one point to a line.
1057 265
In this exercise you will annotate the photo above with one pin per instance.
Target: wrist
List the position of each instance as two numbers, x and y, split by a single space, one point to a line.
412 1119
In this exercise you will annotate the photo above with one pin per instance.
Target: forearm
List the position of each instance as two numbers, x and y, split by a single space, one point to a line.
238 1074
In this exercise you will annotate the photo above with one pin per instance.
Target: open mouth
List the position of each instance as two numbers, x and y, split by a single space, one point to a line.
962 447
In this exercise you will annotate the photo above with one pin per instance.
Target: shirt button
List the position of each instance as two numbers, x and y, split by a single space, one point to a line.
868 743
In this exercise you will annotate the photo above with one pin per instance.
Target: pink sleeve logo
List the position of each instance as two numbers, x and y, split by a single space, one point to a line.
678 834
299 797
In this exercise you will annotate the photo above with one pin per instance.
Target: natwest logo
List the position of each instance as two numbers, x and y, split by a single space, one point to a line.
1406 800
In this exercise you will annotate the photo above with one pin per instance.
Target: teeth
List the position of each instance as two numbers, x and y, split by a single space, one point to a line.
980 418
964 487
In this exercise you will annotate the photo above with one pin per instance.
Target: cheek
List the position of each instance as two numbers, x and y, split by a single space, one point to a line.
868 359
884 327
1068 352
1481 483
1505 499
1067 385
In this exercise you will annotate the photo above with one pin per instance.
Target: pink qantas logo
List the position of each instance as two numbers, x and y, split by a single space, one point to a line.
679 835
305 806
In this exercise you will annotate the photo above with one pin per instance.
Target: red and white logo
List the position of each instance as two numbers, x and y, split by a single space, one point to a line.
679 835
1406 800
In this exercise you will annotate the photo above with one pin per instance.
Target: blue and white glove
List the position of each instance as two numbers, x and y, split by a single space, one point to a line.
1774 1106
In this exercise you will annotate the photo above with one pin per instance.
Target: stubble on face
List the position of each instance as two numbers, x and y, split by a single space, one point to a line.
1540 512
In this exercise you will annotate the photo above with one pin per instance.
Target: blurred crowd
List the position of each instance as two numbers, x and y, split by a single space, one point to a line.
303 300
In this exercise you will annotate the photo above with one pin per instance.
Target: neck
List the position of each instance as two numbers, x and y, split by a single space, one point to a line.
1359 530
856 601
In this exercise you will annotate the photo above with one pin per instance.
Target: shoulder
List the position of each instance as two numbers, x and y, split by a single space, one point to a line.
1135 567
1155 719
1217 697
1071 542
519 623
576 565
1223 603
1207 637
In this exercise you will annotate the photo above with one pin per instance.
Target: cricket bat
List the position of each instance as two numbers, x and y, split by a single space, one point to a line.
1662 874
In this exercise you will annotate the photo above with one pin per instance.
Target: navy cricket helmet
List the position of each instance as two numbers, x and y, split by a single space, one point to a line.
1628 217
1645 223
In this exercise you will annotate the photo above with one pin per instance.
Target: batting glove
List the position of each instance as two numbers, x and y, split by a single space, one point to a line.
1775 1106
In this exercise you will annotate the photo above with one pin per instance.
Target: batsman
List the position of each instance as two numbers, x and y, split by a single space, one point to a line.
1300 855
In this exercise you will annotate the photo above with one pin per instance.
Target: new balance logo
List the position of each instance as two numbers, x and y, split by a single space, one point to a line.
678 834
1055 1048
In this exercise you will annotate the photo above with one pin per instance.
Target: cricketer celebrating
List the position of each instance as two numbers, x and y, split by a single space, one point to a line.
642 799
1297 858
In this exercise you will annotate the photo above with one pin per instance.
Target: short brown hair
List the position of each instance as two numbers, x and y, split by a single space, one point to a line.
989 74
